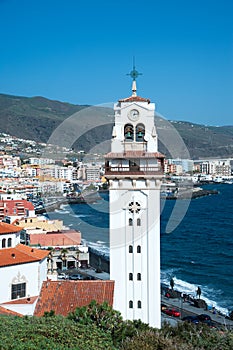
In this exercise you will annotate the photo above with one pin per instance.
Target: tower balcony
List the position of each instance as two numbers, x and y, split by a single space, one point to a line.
132 171
134 164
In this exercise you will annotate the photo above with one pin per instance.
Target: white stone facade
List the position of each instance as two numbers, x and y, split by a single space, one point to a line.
134 171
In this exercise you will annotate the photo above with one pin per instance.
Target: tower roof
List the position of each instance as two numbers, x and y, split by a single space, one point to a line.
134 98
134 154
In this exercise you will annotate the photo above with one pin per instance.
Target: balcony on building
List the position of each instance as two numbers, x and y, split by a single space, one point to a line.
134 163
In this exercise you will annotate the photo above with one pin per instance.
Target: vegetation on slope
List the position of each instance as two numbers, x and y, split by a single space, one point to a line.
100 327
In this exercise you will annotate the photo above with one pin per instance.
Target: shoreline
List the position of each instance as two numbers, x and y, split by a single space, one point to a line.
92 197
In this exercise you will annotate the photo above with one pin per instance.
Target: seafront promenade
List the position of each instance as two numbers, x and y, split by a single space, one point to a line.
187 309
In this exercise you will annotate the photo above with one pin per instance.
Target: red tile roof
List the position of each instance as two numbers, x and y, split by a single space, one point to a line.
14 203
69 238
21 254
7 312
135 154
8 228
64 297
135 99
29 300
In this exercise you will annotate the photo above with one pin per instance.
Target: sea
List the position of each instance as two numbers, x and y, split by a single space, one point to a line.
196 253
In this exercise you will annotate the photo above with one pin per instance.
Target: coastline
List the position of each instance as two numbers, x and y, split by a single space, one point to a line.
91 197
184 306
213 296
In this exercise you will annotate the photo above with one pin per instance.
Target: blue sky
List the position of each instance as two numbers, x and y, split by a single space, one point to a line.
80 52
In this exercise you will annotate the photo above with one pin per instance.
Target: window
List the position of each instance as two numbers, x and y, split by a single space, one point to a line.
4 243
134 207
138 249
139 277
130 222
130 249
9 242
138 222
18 290
130 304
139 304
130 276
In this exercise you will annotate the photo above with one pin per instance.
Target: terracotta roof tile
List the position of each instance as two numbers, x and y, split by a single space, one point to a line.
64 297
30 300
8 228
135 99
7 312
21 254
56 239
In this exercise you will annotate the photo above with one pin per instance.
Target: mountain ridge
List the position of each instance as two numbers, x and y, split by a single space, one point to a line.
37 117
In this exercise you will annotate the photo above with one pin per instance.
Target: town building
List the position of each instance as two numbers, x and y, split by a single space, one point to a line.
64 297
10 210
22 269
92 173
134 168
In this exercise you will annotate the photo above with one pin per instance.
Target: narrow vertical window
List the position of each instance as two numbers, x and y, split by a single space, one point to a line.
130 276
130 304
130 222
139 277
130 249
4 243
139 304
138 249
138 222
9 242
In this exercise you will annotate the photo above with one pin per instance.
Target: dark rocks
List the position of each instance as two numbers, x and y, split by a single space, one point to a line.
174 294
200 303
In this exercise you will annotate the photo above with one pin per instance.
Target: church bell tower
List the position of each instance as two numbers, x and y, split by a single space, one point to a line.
134 169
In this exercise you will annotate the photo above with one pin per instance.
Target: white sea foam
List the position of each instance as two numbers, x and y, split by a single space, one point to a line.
63 206
79 216
99 247
58 211
189 288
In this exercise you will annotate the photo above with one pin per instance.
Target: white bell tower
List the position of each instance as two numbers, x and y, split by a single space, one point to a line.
134 168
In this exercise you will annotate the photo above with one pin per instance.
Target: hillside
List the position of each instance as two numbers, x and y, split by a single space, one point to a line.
36 118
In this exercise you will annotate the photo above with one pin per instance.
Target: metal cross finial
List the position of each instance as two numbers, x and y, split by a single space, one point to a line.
134 73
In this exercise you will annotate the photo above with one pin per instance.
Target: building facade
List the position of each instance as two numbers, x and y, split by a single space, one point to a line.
22 269
134 169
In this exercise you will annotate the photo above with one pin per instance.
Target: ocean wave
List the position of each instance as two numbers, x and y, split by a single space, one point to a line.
58 211
63 206
208 293
99 247
79 215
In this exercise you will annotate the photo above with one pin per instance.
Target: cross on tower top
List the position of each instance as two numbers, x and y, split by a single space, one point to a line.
134 74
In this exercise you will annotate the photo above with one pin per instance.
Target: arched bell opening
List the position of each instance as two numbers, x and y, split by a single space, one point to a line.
140 132
129 132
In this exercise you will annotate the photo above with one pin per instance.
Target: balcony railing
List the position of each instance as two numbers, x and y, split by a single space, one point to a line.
133 170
